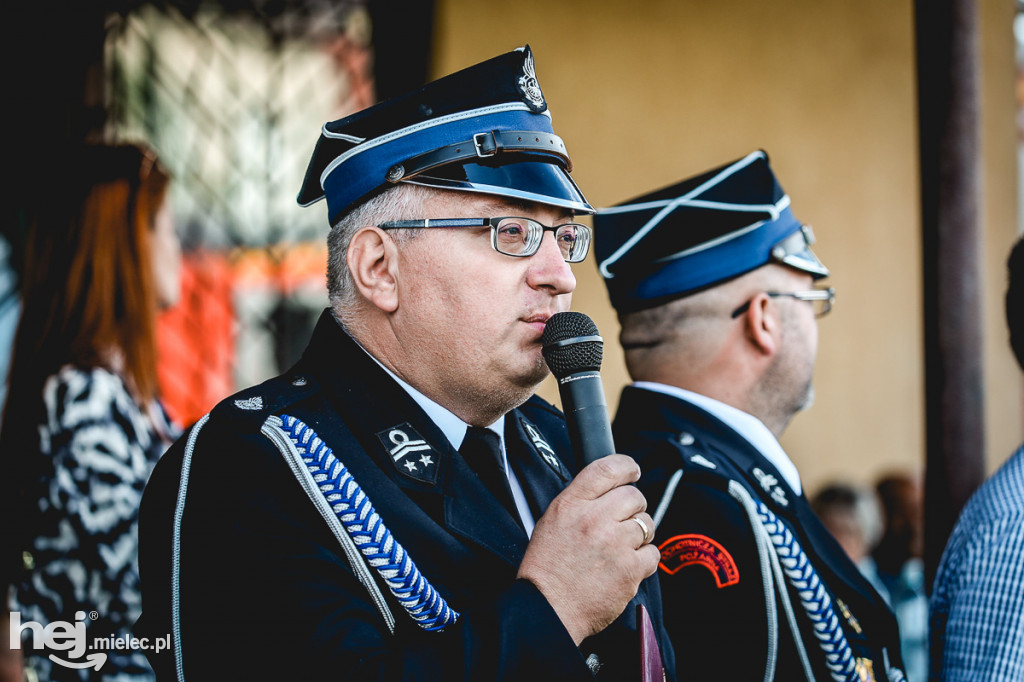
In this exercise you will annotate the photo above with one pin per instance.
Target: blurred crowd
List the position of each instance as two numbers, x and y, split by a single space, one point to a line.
881 528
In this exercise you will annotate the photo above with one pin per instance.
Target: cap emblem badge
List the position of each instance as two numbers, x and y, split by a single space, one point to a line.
530 86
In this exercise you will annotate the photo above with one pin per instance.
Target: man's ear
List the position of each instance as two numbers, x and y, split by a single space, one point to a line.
762 325
373 261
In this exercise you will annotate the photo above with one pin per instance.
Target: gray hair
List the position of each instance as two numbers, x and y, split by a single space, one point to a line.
402 202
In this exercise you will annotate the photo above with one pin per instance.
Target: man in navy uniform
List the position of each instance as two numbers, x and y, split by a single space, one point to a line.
713 282
398 505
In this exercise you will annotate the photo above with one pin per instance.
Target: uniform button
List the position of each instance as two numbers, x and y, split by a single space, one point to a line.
299 381
28 561
686 438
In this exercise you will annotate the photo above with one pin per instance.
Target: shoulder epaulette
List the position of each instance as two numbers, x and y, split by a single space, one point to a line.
256 403
701 463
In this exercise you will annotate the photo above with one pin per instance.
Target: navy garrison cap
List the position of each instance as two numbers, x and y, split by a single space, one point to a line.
484 129
698 233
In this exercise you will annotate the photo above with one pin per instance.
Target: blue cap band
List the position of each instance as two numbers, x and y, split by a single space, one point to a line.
689 271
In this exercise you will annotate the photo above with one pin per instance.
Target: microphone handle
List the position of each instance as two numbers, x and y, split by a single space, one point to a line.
586 415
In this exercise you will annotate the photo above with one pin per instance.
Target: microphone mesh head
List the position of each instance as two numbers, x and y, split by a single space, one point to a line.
573 356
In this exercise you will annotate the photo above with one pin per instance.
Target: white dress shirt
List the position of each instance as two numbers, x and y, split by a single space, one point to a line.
747 425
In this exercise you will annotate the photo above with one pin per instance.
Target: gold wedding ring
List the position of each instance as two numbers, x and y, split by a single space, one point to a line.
647 531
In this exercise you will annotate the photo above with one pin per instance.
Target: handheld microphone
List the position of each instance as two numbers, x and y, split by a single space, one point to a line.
573 349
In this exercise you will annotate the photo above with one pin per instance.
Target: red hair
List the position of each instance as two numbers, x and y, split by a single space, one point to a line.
88 295
88 299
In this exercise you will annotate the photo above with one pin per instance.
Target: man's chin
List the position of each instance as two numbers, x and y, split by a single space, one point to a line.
537 373
808 401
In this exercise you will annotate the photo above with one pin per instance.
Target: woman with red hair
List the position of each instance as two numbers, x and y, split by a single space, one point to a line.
82 425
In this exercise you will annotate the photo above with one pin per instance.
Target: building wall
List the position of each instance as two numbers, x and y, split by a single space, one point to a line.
650 92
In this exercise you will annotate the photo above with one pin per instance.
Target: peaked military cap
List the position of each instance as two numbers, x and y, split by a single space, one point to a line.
698 233
484 129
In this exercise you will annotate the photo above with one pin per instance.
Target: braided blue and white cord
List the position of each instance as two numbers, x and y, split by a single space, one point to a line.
360 520
813 597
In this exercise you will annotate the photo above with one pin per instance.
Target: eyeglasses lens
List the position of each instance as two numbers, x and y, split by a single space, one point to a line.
522 237
517 236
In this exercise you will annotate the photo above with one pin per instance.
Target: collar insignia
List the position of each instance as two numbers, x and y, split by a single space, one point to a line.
770 485
412 456
254 403
543 448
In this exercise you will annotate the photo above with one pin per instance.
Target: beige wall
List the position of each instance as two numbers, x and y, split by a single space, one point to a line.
649 92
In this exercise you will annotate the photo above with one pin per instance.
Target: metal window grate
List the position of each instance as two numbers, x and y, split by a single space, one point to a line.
233 99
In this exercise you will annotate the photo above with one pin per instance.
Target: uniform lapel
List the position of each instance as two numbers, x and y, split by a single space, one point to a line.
540 471
407 445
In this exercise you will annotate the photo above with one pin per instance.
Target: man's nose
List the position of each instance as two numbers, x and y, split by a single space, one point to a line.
548 268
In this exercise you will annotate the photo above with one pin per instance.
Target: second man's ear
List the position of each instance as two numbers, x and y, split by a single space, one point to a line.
762 324
373 262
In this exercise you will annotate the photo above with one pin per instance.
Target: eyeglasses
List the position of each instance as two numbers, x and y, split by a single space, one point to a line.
821 299
518 237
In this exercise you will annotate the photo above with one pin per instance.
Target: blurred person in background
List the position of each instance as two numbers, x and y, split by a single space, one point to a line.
853 516
83 426
899 560
976 611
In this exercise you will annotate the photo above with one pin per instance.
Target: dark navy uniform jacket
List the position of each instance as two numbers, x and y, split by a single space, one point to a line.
711 573
239 564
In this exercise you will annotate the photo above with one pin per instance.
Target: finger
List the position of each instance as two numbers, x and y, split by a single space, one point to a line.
604 474
648 557
621 502
640 528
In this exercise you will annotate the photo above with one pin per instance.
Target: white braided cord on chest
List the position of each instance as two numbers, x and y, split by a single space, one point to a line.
813 597
355 511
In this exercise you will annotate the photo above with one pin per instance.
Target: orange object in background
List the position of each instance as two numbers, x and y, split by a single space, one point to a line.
196 339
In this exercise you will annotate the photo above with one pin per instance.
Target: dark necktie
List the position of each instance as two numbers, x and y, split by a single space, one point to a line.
482 451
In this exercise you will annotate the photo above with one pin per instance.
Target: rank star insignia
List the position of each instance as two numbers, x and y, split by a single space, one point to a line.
410 453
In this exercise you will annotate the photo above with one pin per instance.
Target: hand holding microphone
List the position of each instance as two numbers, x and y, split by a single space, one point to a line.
590 550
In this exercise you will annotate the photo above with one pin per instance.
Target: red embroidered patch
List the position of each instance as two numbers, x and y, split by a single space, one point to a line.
684 550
